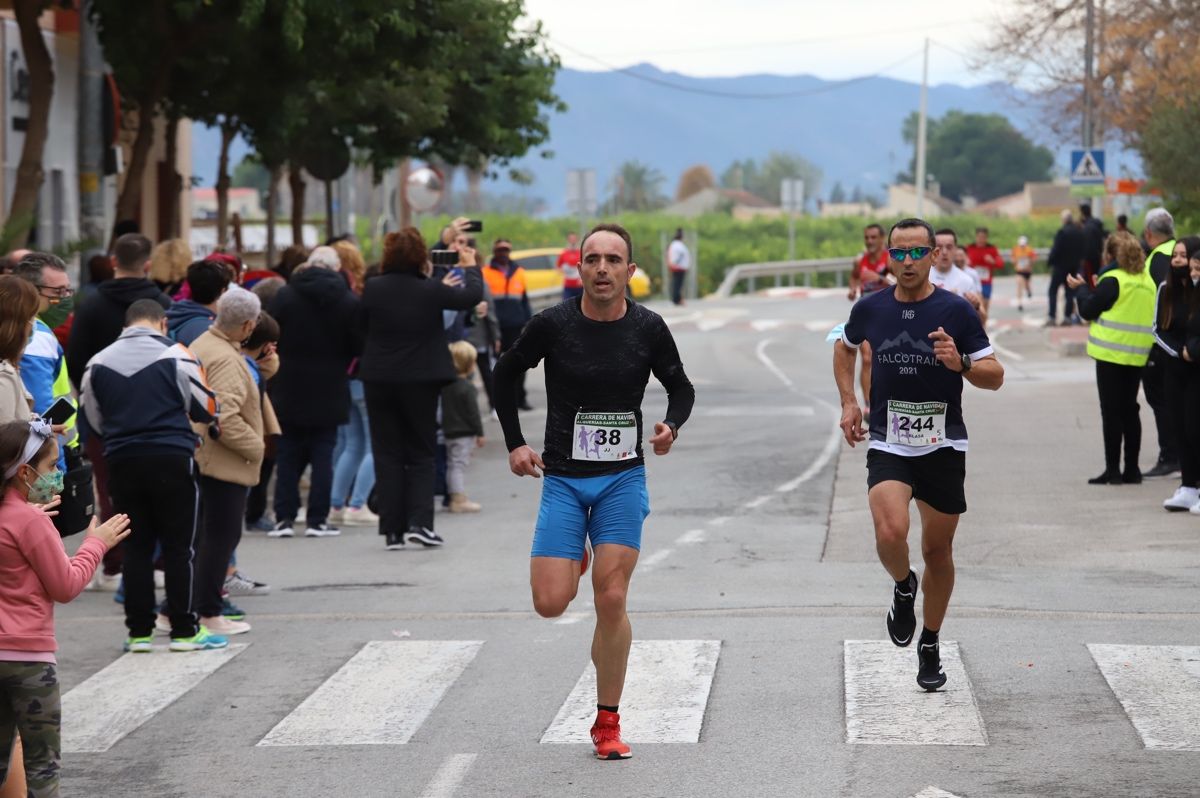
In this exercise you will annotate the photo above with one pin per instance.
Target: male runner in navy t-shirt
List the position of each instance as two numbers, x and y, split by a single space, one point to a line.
924 341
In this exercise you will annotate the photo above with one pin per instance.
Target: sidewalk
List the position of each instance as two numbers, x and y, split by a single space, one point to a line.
1034 444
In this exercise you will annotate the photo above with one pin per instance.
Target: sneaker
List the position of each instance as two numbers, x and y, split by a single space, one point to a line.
930 675
395 542
1131 478
322 531
1184 499
459 503
1020 308
139 645
902 617
203 640
1163 468
102 582
336 515
587 556
283 529
1195 510
426 537
261 525
225 626
162 624
1107 478
236 584
606 736
230 610
359 516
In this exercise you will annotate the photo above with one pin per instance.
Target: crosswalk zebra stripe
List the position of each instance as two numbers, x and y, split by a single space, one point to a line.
381 696
129 691
884 705
666 694
1159 689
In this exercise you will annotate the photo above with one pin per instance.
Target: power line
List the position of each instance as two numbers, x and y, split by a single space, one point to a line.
792 42
731 95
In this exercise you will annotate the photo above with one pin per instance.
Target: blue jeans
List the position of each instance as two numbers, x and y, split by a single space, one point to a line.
354 463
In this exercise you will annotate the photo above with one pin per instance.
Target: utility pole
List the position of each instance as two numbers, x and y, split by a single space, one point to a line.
91 142
922 126
1089 48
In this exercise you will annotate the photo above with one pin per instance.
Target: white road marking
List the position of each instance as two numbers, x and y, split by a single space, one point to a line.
570 618
820 326
129 691
884 705
666 694
754 504
832 445
708 325
1159 688
449 777
349 708
756 411
694 316
1008 353
764 325
720 520
760 352
652 561
690 537
934 792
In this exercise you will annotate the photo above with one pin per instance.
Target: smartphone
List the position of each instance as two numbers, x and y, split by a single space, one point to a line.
473 226
444 257
60 412
457 272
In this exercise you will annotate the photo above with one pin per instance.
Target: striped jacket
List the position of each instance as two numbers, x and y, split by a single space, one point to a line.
141 393
44 372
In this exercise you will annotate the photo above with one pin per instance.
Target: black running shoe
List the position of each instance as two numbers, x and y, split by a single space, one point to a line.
426 537
395 542
930 675
902 617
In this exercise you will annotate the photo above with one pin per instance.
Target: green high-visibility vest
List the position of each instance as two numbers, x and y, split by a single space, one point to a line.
1165 248
1124 334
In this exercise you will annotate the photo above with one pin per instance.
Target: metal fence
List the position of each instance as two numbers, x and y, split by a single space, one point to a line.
777 271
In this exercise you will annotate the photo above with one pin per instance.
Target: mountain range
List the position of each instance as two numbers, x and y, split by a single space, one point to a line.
850 129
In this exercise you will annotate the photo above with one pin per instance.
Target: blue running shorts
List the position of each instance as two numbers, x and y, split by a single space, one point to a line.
607 509
987 290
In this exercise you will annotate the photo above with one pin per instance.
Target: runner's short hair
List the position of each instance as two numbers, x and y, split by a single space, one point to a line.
32 266
875 226
983 230
610 227
909 224
946 231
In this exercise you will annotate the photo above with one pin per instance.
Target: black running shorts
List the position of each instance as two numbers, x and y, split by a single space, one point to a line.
937 478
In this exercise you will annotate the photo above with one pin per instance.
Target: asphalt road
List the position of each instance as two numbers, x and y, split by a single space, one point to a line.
425 673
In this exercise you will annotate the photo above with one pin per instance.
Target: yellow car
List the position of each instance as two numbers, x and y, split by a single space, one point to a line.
541 271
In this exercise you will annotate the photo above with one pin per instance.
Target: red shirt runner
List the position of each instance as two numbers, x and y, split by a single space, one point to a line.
568 264
976 256
879 265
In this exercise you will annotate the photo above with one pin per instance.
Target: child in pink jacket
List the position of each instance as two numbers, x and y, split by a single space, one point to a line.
35 572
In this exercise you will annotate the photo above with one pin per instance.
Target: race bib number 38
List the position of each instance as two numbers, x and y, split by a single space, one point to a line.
916 423
605 437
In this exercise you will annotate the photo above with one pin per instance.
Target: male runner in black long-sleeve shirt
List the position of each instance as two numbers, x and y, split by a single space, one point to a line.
600 350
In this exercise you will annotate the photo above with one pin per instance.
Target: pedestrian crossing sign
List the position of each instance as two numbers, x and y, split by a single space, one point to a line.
1087 167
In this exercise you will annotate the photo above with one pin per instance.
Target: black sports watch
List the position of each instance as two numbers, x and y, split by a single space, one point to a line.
674 430
966 363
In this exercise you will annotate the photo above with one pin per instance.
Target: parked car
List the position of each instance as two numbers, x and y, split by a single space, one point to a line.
540 271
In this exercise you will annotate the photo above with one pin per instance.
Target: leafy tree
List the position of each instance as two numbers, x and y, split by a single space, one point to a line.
694 180
837 194
636 187
30 173
1168 144
764 181
250 173
980 155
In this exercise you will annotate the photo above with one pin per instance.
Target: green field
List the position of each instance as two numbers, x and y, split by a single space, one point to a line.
725 242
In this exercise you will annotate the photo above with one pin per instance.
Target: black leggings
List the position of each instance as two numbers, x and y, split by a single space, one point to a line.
404 440
1182 383
1118 387
222 510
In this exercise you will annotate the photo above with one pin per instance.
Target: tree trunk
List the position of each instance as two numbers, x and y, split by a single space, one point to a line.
329 230
228 131
41 91
405 215
176 186
474 189
130 202
272 210
296 182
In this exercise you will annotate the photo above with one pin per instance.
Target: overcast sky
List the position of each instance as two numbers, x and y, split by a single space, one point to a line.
842 39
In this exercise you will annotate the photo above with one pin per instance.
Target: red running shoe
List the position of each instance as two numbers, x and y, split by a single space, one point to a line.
606 736
587 557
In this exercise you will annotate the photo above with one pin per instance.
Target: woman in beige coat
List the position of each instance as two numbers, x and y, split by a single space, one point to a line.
229 461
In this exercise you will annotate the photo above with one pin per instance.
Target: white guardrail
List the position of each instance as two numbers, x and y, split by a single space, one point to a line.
752 272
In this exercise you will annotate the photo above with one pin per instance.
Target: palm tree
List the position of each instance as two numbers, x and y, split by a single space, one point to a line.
636 187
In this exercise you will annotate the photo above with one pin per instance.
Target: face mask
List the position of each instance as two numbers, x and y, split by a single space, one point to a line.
56 314
45 487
